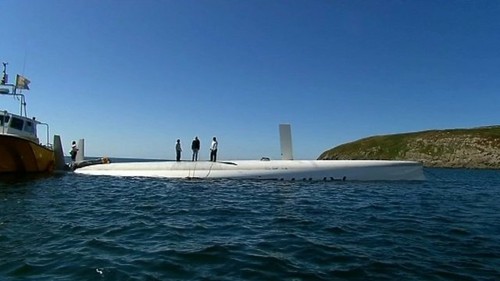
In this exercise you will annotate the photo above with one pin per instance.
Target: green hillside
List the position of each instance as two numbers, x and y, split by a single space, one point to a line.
465 148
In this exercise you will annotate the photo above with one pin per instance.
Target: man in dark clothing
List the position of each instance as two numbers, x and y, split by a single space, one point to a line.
195 146
178 151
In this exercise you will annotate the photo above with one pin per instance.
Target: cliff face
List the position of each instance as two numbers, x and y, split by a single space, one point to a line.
457 148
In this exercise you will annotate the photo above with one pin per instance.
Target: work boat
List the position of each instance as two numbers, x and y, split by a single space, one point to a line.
20 147
285 169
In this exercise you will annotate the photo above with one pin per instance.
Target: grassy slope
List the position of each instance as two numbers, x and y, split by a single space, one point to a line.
398 146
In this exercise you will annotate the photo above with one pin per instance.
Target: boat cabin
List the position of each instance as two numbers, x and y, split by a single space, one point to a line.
19 125
13 124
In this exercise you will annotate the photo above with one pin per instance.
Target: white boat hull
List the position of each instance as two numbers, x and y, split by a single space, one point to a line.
327 170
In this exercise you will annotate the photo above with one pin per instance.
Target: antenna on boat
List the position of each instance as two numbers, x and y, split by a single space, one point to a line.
5 77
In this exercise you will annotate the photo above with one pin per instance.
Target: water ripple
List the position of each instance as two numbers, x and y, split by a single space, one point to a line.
74 227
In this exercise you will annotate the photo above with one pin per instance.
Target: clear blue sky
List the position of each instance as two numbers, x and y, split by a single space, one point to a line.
132 76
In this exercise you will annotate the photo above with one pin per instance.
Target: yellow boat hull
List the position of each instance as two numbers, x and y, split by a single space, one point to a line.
19 155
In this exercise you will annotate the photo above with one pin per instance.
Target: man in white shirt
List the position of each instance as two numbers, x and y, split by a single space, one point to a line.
213 150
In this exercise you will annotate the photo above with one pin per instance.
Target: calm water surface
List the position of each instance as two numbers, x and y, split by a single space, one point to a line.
78 227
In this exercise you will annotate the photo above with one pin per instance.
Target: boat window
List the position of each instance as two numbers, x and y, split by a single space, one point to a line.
4 119
17 123
29 127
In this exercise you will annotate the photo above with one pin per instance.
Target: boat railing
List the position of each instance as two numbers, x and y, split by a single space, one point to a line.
47 143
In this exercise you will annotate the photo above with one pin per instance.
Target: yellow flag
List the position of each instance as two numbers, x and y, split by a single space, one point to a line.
22 82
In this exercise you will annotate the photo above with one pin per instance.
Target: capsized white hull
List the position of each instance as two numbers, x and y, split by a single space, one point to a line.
362 170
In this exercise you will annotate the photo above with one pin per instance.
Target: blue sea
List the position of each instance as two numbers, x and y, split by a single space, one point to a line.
80 227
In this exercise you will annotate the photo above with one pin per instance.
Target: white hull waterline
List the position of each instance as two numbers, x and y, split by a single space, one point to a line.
326 170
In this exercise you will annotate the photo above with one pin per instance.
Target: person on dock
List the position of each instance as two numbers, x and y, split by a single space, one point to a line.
178 150
213 150
195 146
73 151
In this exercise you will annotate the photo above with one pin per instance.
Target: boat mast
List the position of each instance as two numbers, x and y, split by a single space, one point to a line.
5 82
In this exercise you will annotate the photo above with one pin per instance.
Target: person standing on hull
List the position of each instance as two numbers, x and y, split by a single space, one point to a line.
195 146
73 152
178 150
213 150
